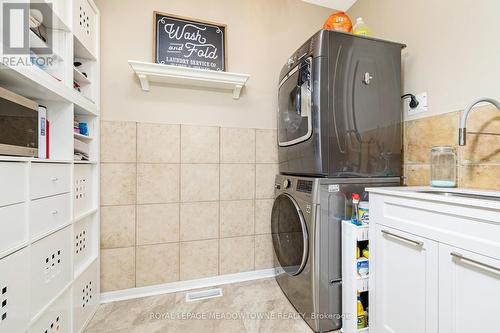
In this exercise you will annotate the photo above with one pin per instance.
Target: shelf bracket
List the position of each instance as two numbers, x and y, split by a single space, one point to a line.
237 92
144 82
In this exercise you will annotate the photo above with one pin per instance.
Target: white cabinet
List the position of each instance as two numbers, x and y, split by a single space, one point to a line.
406 282
469 291
13 226
85 296
435 265
12 183
14 292
49 214
85 26
49 179
57 318
50 268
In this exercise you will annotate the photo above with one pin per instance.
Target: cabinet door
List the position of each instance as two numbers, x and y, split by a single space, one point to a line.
469 291
406 280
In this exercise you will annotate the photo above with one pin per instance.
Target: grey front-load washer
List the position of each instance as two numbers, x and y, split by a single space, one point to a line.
306 232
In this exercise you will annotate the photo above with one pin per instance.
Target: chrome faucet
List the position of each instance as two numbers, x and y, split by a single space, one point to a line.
462 132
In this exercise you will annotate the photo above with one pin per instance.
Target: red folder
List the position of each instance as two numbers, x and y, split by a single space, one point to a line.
48 140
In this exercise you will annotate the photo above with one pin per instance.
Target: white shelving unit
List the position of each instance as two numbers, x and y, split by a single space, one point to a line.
191 77
352 282
49 208
80 77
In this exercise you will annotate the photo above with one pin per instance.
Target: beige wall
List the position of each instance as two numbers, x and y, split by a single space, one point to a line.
261 35
198 205
452 46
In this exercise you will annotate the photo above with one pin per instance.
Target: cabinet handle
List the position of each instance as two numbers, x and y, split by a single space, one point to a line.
460 256
55 179
417 243
55 212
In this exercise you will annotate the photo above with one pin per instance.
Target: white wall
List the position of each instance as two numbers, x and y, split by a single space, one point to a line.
261 36
453 46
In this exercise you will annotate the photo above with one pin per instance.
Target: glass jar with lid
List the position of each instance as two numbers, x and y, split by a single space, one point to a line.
443 166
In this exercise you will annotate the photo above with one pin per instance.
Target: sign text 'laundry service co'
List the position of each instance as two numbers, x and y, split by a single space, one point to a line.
191 43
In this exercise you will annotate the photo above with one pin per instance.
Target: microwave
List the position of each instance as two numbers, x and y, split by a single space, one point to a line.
18 125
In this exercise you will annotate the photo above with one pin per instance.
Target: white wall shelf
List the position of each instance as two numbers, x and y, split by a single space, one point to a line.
192 77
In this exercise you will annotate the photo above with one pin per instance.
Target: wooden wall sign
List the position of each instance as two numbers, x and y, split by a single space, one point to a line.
186 42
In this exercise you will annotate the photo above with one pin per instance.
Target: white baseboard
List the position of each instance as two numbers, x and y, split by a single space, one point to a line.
173 287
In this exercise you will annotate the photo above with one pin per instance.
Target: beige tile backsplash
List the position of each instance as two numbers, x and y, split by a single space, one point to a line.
237 218
118 142
157 183
118 268
156 264
199 182
237 181
166 139
199 220
263 208
184 202
237 254
200 144
118 226
237 145
199 259
158 223
266 142
478 162
118 184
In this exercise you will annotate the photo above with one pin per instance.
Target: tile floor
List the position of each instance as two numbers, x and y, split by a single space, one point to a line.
241 304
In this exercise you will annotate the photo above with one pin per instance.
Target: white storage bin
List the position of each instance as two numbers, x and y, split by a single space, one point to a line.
85 243
85 26
13 226
47 179
83 193
14 292
85 296
50 268
57 318
12 183
49 214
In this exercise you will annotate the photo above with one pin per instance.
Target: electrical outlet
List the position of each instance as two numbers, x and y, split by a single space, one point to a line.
422 104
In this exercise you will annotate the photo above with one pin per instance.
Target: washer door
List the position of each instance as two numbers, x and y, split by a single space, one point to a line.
289 232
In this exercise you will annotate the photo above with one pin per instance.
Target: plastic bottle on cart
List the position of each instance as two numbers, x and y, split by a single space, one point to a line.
361 314
355 209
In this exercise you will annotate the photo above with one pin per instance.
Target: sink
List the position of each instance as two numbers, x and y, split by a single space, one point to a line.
459 194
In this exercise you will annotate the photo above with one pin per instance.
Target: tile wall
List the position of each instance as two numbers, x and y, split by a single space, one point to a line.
478 162
184 202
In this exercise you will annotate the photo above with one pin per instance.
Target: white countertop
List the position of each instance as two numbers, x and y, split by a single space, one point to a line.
414 192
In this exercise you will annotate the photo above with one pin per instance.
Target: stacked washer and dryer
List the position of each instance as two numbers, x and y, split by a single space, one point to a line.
339 132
